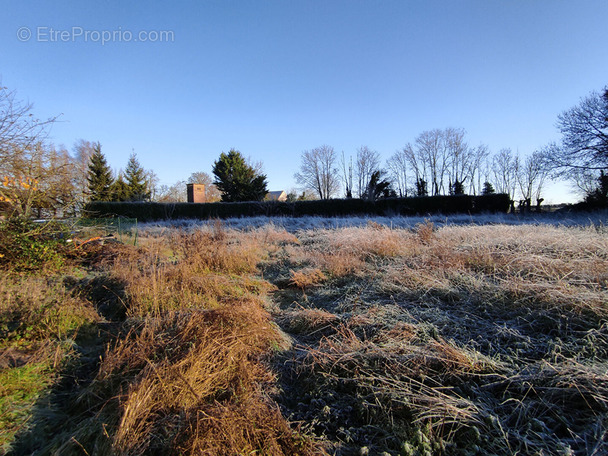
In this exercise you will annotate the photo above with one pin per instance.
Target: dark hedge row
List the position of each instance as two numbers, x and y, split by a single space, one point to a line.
323 208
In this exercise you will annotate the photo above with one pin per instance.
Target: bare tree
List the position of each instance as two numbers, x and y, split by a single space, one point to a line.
368 162
59 188
24 158
318 171
479 168
584 143
82 151
457 159
38 180
584 181
153 183
505 169
212 193
397 165
347 175
418 164
432 152
531 175
18 126
175 193
582 154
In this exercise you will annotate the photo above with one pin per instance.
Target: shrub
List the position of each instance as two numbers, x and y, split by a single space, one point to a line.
36 309
26 246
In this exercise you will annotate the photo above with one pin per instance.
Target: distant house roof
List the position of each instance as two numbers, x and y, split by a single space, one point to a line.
279 195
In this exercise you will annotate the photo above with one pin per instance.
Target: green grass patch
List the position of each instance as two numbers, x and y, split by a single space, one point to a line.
20 388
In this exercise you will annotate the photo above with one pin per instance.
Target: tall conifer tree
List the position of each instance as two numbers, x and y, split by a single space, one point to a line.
236 180
99 176
136 180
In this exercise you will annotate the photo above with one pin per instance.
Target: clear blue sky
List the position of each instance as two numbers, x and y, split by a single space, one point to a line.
274 78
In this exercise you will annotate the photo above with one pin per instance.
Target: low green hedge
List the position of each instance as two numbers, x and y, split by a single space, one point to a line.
142 211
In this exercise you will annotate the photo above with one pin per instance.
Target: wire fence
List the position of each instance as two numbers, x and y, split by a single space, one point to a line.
121 228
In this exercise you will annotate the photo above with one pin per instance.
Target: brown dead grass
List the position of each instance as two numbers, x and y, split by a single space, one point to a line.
196 380
340 263
188 371
204 366
459 340
198 270
306 278
306 321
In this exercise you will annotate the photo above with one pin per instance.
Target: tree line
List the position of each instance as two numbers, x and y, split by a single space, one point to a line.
441 162
36 177
438 162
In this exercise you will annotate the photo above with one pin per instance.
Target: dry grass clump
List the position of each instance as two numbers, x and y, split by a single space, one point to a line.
369 242
34 309
190 370
253 427
510 266
399 380
307 277
306 321
197 270
187 382
193 380
404 349
339 263
345 252
425 232
217 251
273 238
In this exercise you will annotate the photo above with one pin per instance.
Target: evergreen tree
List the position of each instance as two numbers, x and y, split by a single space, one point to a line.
99 176
236 180
136 180
488 189
457 188
421 189
119 190
599 196
378 187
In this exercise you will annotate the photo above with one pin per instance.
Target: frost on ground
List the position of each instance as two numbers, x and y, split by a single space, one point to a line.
293 224
438 335
452 340
323 336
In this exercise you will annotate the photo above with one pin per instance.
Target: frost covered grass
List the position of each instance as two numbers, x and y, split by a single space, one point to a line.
174 362
413 336
293 224
455 339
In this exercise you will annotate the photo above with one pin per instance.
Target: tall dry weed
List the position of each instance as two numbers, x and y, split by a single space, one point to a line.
189 270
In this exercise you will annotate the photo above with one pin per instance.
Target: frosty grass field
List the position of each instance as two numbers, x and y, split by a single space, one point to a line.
351 336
